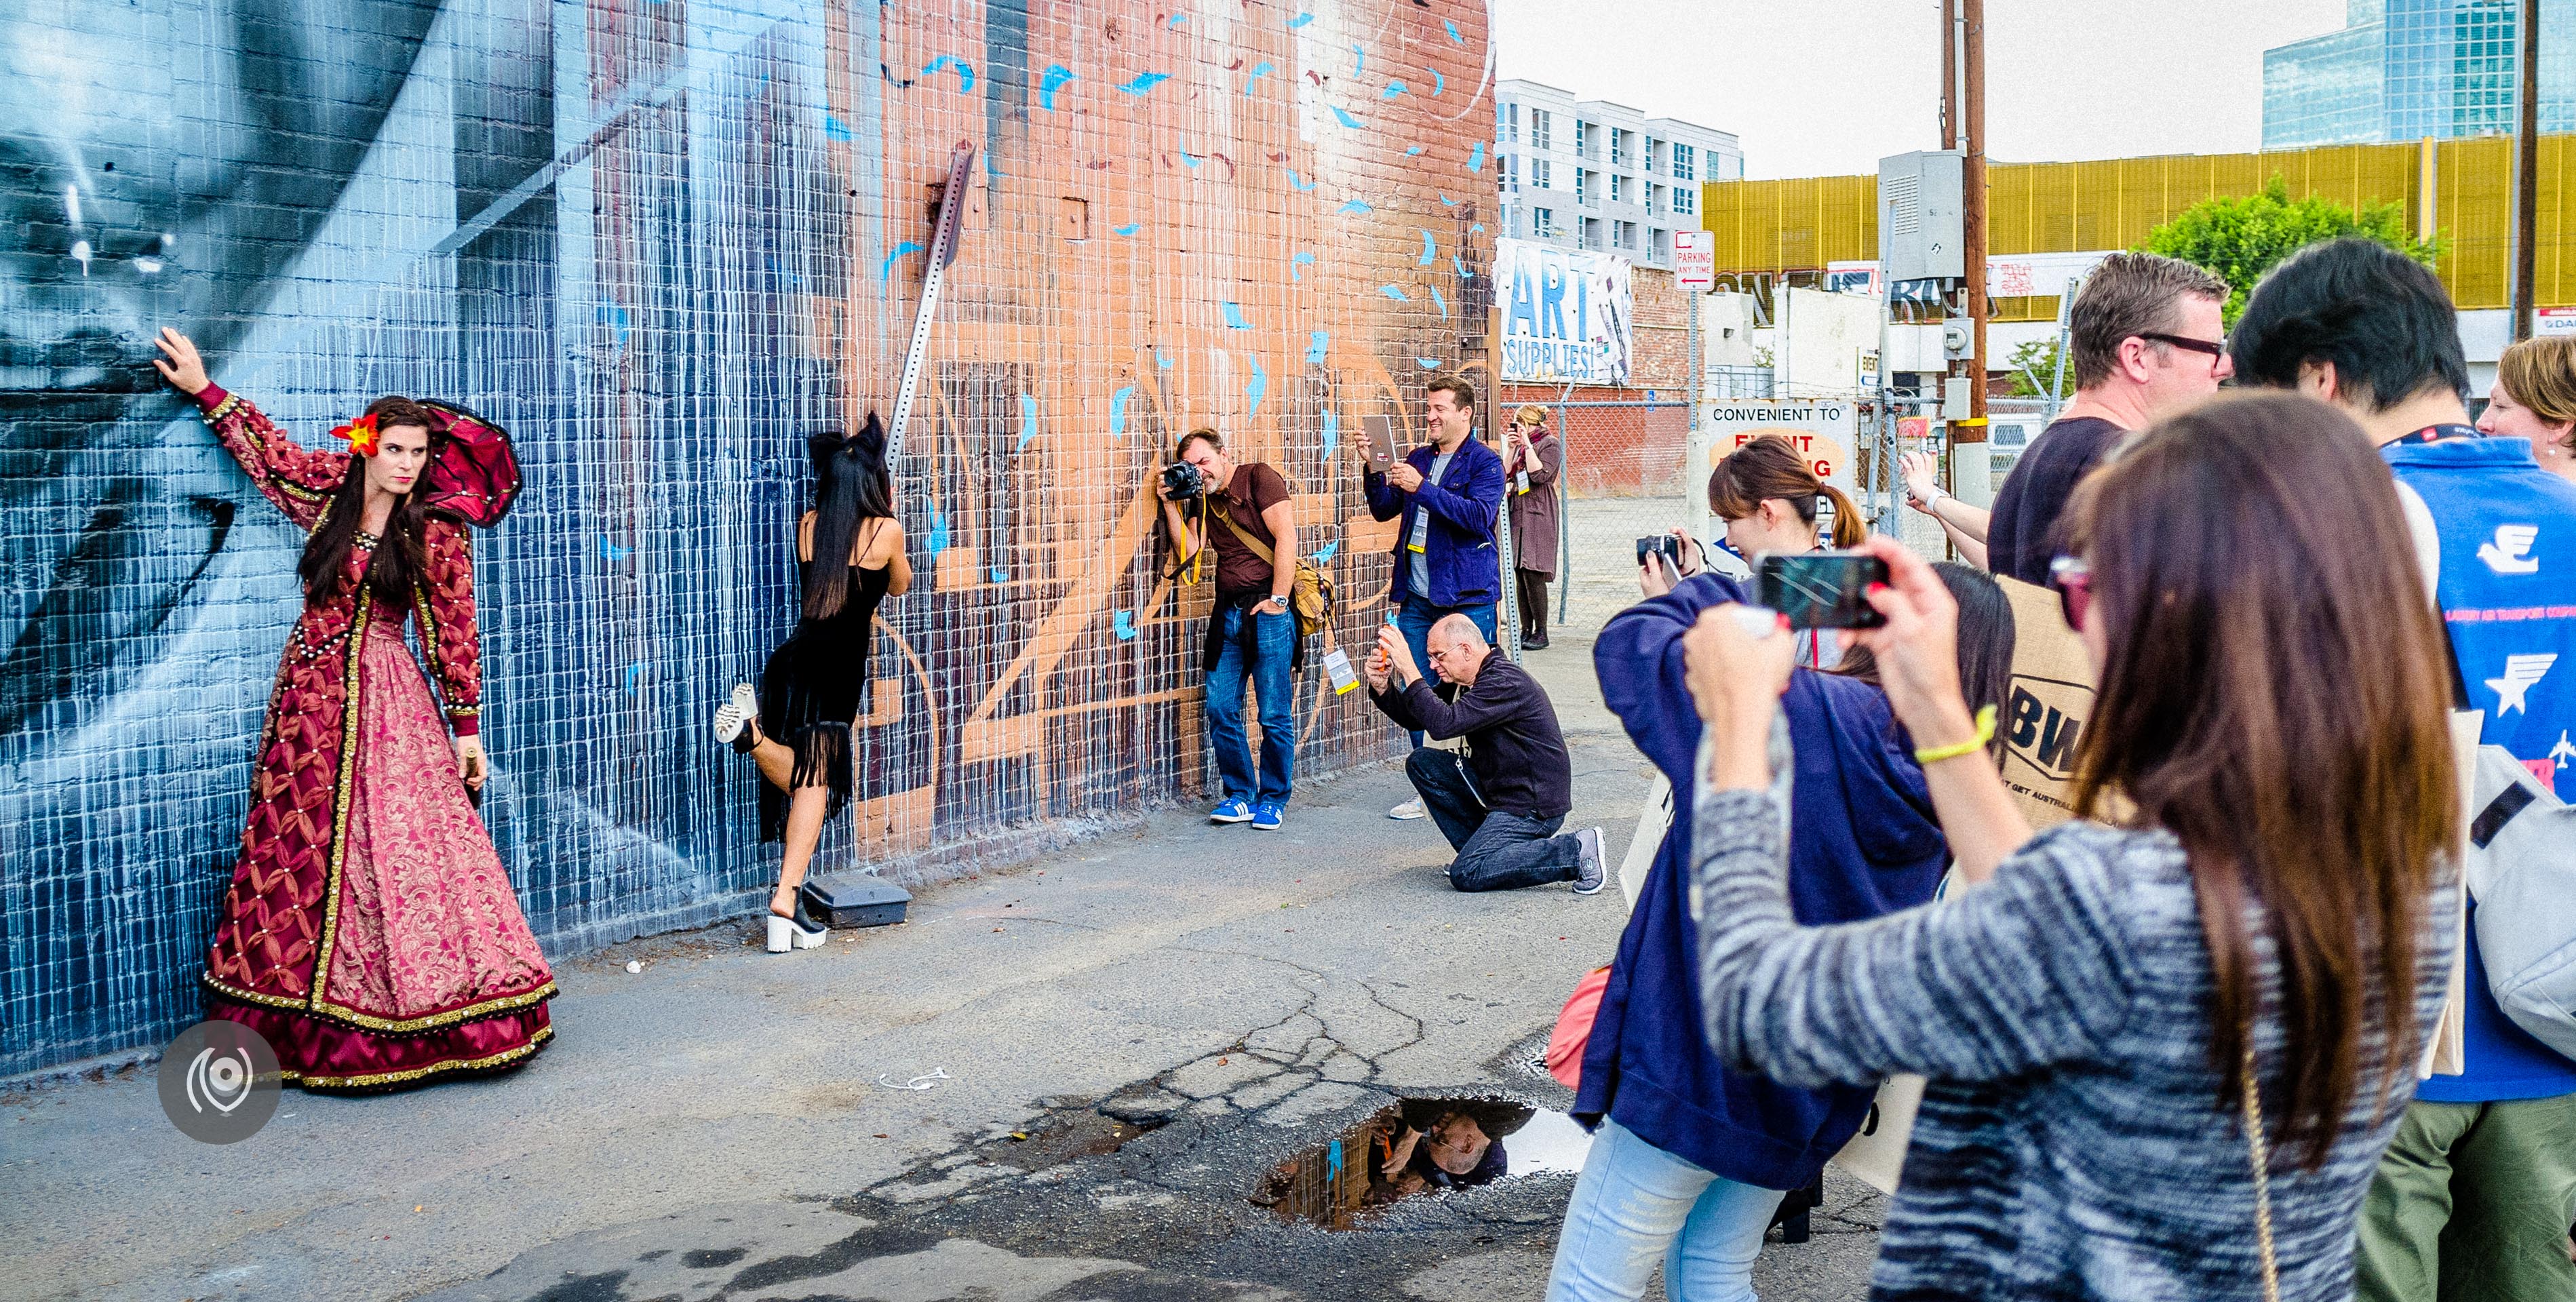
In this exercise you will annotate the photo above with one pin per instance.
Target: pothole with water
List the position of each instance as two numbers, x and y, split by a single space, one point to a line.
1417 1147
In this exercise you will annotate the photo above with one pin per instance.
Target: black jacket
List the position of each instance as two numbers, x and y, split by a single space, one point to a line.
1515 749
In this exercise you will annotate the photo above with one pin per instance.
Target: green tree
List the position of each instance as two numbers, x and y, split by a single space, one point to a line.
2033 366
2240 239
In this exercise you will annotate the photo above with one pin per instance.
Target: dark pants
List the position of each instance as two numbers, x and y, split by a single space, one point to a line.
1264 661
1414 622
1497 851
1533 596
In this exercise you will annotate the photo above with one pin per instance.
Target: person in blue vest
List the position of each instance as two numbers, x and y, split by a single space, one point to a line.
1688 1158
1447 492
2478 1190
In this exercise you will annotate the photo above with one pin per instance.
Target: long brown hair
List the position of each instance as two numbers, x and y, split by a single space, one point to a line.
1767 468
2274 696
395 569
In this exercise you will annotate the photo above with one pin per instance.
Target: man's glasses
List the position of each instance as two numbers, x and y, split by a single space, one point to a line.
2072 580
2213 347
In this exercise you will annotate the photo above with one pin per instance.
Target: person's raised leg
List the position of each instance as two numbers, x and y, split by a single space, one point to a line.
1712 1258
1510 851
1629 1204
1276 689
1224 713
2399 1256
1440 779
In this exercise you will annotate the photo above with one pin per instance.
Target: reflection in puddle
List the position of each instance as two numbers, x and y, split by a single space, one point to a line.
1420 1146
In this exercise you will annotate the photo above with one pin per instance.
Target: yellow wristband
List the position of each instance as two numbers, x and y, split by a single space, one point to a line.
1985 734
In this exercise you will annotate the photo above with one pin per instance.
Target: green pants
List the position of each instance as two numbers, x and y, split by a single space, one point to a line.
2473 1204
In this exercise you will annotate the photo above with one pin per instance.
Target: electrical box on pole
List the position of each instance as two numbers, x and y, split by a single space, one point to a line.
1920 199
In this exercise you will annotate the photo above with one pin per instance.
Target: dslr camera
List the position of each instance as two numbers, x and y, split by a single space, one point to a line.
1183 481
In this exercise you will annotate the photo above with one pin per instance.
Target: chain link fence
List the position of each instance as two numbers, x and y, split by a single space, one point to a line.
1625 467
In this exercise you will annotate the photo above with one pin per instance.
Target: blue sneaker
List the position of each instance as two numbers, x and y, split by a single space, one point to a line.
1230 810
1265 816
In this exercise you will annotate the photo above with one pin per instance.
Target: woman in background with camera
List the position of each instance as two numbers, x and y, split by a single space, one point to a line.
2164 1055
1532 460
1769 499
796 727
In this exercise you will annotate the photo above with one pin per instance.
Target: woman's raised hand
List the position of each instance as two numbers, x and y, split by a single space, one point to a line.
1922 479
1917 649
1736 661
184 369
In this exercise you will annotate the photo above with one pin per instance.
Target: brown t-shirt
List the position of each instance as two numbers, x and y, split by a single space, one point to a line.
1254 489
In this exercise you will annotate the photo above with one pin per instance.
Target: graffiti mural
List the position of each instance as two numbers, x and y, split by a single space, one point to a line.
661 241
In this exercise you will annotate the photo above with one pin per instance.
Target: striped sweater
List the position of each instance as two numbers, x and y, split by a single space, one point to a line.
2071 1143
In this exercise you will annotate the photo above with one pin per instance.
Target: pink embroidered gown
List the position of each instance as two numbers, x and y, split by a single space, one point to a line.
370 931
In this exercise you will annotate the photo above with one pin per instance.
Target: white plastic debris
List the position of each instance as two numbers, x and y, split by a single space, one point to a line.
634 965
931 1081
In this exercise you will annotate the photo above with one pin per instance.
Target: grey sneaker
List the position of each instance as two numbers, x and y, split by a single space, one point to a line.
1588 875
1408 810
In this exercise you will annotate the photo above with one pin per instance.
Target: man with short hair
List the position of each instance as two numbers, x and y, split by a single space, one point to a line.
2476 1194
1251 635
2145 341
1448 492
1501 803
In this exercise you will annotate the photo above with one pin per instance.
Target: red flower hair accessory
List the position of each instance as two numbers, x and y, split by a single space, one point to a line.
361 434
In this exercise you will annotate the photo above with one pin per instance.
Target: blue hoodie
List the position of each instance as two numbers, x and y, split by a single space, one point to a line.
1862 843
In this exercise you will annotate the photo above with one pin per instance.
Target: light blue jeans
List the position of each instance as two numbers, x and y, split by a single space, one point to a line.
1635 1206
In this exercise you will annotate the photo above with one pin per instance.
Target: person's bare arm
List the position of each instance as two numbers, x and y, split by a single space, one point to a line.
1971 546
1281 517
890 555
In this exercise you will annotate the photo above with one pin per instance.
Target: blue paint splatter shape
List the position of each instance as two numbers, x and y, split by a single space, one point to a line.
1001 575
1478 228
1056 76
1345 118
1234 317
1145 81
1430 248
1452 25
1336 1155
1028 420
1439 299
1476 158
1162 359
634 674
1461 265
1411 150
1303 259
1178 19
834 128
938 531
1128 229
1118 411
612 553
1325 556
1427 363
1124 625
1299 182
1300 21
1317 342
1354 205
1447 202
886 273
1191 159
614 317
1395 292
1359 59
1255 387
1332 432
1393 89
1438 83
965 71
1259 70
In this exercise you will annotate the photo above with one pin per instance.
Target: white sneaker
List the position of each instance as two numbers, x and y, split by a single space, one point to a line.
733 718
1410 809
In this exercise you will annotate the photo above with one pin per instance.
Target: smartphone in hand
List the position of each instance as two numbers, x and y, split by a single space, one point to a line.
1822 589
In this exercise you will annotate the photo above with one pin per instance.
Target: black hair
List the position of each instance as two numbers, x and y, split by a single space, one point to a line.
2380 317
1985 640
850 485
401 558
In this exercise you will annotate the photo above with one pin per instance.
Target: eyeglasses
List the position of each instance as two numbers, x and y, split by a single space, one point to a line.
2212 347
2072 580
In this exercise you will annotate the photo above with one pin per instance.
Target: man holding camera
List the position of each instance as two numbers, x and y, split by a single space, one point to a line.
1501 802
1448 492
1247 520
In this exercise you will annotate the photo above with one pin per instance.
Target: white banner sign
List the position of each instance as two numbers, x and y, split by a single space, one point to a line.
1823 433
2008 275
1566 315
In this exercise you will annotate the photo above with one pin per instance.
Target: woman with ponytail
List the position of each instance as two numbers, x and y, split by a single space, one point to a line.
796 726
370 933
1772 501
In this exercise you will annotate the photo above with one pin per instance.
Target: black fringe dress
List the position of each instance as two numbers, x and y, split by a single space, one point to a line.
811 690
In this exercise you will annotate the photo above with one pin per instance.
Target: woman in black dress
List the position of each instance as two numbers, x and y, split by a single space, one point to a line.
796 727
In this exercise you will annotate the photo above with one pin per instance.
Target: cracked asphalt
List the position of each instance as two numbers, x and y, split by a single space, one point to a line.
1121 1039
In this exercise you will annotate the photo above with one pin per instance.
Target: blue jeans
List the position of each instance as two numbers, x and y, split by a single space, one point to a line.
1415 621
1497 850
1635 1206
1273 640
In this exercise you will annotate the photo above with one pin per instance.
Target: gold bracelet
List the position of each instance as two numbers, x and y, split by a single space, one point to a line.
1985 734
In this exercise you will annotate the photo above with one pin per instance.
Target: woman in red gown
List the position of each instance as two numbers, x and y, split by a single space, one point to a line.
370 932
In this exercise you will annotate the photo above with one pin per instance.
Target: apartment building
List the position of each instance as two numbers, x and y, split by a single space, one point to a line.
1591 174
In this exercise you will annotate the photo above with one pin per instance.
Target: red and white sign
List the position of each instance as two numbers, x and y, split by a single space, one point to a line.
1695 259
2553 321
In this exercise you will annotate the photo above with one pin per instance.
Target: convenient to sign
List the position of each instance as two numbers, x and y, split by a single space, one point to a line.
2553 321
1822 432
1566 315
1695 259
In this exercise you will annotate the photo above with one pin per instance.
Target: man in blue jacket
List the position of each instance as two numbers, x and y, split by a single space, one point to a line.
1448 493
2476 1194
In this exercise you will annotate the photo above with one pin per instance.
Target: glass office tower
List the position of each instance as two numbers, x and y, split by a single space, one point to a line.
2406 69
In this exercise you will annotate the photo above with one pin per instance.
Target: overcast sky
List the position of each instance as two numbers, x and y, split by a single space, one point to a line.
1821 87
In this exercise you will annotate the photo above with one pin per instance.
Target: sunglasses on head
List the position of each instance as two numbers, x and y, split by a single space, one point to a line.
2072 580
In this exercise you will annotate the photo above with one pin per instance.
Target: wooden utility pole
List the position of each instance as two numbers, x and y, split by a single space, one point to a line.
1972 208
1949 74
2526 176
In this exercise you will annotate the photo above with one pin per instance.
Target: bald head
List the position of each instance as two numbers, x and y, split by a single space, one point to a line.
1458 649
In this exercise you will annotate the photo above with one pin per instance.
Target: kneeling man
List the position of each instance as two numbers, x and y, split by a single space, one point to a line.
1501 802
